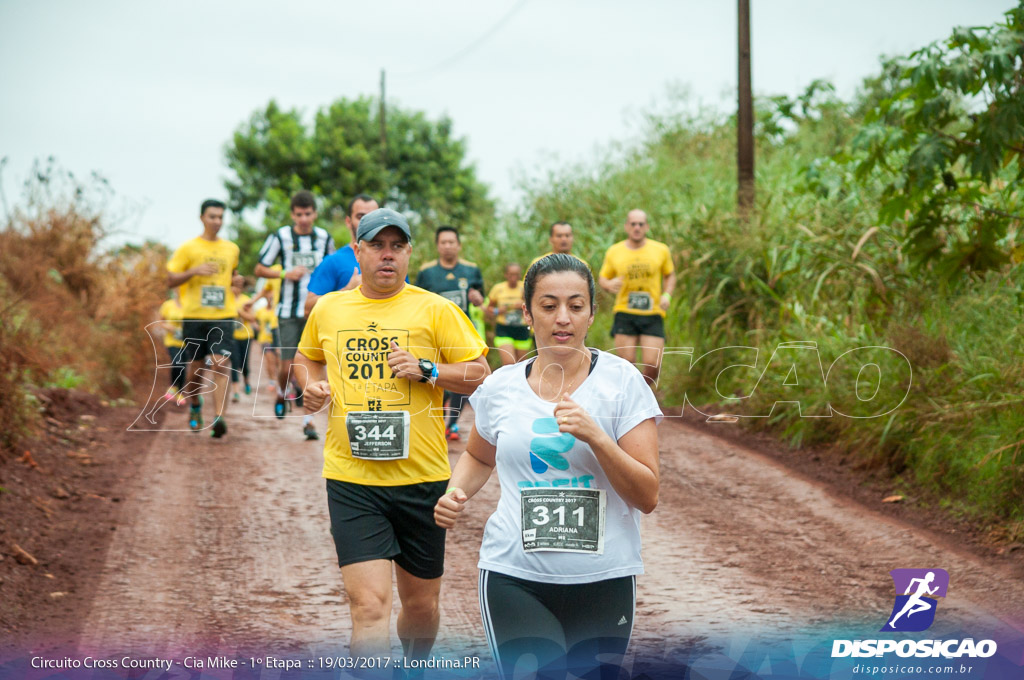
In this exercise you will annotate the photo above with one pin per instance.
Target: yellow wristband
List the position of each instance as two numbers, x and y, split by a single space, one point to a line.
452 488
666 295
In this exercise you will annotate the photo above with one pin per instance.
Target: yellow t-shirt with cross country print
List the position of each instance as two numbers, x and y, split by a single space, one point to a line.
642 271
206 297
382 430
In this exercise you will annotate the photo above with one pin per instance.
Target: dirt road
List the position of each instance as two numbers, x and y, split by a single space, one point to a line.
223 545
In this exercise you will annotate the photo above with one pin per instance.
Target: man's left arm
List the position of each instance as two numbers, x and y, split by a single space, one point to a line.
668 282
461 377
668 285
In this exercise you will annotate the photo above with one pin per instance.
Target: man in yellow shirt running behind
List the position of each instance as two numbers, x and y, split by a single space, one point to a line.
639 272
205 268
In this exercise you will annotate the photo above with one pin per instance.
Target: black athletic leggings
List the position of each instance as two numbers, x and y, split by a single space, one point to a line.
582 628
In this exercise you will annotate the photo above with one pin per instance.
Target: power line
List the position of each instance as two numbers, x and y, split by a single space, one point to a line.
469 48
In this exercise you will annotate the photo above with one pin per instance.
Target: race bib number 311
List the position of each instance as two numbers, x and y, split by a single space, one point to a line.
378 435
563 520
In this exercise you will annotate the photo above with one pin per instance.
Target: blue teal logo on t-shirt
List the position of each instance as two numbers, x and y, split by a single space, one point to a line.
546 451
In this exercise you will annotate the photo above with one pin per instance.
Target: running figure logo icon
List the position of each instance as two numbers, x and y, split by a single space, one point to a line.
916 593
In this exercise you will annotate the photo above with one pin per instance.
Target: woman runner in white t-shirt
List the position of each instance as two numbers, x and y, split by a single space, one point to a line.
573 436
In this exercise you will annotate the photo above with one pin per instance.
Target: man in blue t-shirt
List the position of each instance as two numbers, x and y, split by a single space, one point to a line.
340 271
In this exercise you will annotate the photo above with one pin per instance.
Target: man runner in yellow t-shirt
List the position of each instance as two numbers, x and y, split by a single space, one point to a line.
639 272
205 268
382 355
505 308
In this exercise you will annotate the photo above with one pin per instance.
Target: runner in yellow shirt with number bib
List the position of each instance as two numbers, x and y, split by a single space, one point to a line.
505 305
375 416
639 272
204 269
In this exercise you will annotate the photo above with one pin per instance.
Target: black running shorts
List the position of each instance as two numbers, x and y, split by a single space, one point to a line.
206 337
633 325
514 332
388 523
290 334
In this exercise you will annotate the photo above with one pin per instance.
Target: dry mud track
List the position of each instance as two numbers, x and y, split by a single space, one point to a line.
224 546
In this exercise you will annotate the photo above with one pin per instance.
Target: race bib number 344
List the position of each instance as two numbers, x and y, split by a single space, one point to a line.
563 520
378 435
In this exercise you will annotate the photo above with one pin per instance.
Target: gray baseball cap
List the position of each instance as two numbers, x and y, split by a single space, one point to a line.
380 218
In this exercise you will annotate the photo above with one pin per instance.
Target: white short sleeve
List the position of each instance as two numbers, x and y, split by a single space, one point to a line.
638 404
480 401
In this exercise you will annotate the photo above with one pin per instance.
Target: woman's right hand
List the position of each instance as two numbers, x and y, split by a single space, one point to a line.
446 512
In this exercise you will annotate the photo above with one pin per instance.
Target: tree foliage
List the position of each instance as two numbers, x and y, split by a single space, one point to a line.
943 135
425 173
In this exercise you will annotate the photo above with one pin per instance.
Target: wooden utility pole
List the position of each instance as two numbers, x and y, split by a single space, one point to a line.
745 118
383 125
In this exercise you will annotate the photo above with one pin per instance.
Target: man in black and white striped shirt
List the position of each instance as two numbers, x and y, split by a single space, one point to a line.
299 247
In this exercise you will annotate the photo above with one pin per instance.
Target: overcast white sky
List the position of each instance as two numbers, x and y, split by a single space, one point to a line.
147 94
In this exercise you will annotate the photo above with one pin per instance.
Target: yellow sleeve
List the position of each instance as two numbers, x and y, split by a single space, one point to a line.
666 266
493 295
179 261
607 267
309 343
457 339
